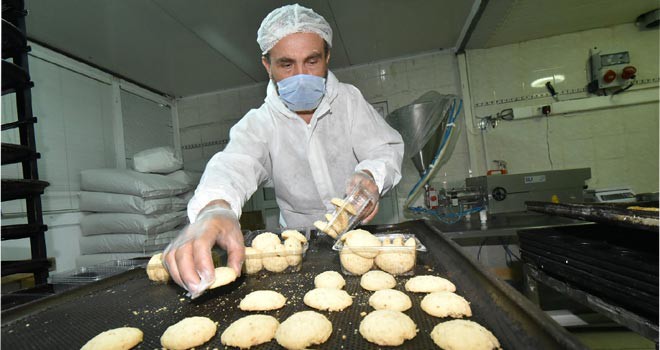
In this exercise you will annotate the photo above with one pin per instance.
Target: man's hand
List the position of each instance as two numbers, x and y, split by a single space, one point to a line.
188 258
365 180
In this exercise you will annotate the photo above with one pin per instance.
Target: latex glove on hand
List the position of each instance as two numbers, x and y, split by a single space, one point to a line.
188 258
365 180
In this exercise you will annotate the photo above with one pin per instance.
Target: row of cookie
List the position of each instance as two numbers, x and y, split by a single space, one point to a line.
441 301
268 252
185 334
362 251
393 327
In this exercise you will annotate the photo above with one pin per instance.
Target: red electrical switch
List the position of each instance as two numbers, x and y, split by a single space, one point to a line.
609 76
628 72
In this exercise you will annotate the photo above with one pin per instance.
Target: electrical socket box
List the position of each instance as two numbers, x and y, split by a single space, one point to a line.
609 70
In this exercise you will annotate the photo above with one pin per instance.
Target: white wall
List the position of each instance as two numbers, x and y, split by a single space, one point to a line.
620 145
80 126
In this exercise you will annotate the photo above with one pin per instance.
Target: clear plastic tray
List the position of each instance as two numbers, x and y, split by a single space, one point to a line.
275 262
88 274
396 260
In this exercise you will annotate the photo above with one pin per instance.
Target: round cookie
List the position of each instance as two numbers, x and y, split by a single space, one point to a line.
253 262
274 260
387 327
444 304
250 331
362 242
390 299
329 279
122 338
293 249
223 275
397 260
429 284
303 329
262 300
463 335
156 271
294 234
266 241
354 263
328 299
188 333
377 280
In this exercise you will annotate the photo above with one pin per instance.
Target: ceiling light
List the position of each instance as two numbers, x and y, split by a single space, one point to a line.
555 79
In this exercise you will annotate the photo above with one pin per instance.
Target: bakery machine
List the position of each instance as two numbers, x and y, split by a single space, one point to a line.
507 193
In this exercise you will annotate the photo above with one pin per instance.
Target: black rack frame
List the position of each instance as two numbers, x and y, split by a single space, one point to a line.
29 188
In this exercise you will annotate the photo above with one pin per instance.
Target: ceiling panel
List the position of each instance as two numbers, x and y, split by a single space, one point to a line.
185 48
376 30
510 21
135 39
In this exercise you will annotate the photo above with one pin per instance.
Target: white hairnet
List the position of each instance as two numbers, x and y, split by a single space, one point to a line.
291 19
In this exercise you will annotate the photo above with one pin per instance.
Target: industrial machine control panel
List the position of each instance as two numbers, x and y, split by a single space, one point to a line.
507 193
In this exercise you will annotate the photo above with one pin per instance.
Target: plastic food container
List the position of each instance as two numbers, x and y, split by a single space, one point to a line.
346 214
396 255
274 253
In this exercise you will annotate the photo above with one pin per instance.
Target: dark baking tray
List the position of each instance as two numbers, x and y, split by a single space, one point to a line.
617 264
130 299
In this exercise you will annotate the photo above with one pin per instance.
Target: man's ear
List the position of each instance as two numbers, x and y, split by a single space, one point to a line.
266 64
327 59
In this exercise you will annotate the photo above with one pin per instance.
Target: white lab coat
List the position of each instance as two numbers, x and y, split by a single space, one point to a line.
308 164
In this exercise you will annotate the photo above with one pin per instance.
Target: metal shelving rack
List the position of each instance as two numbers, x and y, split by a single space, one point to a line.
16 81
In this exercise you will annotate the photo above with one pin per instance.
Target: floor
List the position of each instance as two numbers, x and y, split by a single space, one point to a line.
613 340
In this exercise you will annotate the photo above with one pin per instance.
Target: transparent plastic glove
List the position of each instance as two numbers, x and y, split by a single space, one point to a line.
363 179
188 258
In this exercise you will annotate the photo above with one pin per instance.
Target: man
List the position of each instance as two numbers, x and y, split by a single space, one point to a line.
313 137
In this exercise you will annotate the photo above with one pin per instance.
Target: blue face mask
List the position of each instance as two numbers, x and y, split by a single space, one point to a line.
301 92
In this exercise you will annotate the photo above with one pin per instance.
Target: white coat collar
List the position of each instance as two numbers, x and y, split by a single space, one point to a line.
275 103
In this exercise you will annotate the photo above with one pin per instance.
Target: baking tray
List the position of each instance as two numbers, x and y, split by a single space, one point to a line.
617 264
70 319
619 214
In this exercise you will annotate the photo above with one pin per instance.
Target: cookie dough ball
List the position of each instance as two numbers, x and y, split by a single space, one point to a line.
398 260
223 275
362 243
253 262
387 327
329 279
354 263
377 280
123 338
293 249
262 300
390 299
328 299
188 333
429 284
446 304
303 329
250 331
294 234
156 271
274 260
463 335
266 241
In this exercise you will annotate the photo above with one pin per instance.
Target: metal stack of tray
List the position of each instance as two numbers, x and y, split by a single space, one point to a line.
130 299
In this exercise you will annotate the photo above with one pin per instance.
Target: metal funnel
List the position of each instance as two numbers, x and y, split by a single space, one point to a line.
421 125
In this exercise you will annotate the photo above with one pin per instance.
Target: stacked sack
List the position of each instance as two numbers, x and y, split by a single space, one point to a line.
135 213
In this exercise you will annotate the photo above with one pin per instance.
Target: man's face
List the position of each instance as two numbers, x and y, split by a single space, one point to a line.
298 53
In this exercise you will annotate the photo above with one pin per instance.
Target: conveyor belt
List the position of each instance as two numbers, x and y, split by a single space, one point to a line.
70 319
